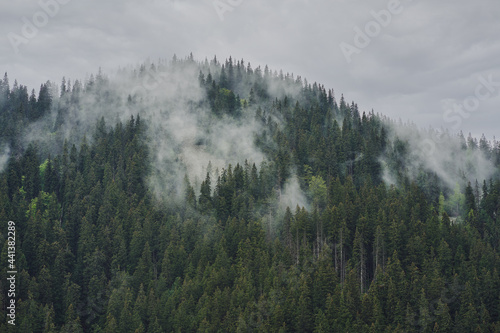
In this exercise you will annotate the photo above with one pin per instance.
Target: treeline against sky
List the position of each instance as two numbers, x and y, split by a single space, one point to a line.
210 196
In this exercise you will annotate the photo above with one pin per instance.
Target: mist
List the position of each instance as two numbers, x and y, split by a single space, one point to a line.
183 134
449 156
293 195
4 156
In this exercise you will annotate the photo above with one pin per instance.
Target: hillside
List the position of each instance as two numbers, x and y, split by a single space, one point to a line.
206 196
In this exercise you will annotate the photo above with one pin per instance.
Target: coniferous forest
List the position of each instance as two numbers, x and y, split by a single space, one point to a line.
211 196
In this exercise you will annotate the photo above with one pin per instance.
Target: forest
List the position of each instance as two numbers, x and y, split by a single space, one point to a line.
211 196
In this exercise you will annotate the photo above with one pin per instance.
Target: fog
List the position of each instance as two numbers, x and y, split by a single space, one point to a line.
4 156
453 159
183 134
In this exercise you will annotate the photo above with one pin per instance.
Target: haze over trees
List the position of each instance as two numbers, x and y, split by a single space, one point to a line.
185 196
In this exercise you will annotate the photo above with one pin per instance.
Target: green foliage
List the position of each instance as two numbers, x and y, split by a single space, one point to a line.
456 203
317 187
97 251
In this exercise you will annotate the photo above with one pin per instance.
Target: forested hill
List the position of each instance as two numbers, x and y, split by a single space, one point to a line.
186 196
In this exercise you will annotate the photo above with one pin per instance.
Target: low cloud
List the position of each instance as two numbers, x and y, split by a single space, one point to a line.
4 156
438 152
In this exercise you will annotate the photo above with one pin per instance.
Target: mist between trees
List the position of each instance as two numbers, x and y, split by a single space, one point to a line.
187 195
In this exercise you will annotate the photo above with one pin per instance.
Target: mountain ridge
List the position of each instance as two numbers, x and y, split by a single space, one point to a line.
186 196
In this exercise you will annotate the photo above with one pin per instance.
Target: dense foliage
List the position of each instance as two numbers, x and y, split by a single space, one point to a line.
97 251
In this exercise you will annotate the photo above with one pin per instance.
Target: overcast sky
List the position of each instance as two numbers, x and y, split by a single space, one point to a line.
434 63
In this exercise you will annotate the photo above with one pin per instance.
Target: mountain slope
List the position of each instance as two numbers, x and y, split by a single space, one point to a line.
186 196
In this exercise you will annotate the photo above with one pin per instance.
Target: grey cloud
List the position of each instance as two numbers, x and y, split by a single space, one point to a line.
431 51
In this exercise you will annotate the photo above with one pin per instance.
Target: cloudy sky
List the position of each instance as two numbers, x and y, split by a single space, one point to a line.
432 63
